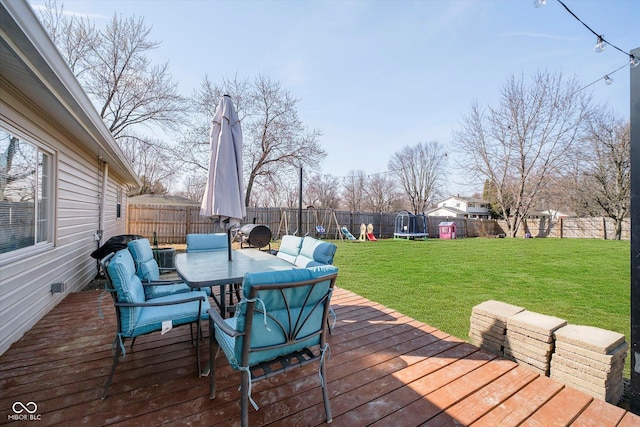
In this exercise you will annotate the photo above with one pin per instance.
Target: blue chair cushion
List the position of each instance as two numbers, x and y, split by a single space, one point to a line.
207 242
127 284
278 319
164 290
148 271
147 267
151 318
289 248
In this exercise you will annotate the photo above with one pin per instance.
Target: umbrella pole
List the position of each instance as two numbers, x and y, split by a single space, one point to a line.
229 239
226 221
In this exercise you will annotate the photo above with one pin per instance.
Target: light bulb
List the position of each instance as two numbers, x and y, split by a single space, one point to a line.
600 45
633 61
539 3
608 80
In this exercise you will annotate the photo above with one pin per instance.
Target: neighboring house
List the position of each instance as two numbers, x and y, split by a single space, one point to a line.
161 199
553 214
461 207
62 176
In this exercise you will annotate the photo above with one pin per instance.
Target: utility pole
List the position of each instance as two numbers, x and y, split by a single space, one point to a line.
635 235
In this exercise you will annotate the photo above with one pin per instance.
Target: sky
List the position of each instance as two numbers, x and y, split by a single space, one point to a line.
375 76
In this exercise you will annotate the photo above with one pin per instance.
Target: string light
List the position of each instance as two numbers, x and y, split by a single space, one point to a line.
601 43
602 78
608 80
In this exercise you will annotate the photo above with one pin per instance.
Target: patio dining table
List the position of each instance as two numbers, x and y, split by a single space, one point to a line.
208 269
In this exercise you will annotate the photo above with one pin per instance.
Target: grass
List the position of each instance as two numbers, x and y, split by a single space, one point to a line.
585 281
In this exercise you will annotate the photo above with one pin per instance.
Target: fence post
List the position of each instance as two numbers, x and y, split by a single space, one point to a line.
187 226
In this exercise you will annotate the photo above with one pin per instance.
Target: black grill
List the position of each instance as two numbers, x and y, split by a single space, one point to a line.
255 236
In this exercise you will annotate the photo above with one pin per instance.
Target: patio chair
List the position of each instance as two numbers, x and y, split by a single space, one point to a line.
280 324
137 315
308 252
207 242
148 271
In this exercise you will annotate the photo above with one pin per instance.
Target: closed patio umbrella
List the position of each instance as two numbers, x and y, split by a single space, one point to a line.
223 199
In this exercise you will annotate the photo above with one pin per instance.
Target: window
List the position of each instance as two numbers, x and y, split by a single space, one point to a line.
119 203
25 194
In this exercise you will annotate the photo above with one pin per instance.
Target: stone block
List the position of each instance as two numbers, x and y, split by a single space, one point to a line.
481 322
526 347
498 310
579 353
591 338
536 322
598 371
538 336
538 362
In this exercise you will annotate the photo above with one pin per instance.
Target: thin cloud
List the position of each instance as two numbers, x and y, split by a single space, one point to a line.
539 36
41 7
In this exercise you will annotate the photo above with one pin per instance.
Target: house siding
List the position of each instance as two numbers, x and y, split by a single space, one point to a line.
25 282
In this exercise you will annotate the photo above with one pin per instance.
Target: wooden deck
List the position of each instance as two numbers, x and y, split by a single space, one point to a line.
385 370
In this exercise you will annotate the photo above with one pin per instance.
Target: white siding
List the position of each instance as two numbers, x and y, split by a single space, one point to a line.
25 282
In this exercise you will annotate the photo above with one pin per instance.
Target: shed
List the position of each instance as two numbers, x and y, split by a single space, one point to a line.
447 230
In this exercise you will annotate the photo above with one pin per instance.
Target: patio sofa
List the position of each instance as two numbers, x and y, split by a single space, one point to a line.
306 251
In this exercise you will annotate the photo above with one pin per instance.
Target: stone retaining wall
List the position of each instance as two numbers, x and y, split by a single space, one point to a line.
583 357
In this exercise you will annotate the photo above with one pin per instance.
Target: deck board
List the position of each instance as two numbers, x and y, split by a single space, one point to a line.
385 369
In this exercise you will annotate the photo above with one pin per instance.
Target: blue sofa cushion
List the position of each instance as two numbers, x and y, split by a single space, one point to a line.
207 242
289 248
127 284
275 332
314 252
151 318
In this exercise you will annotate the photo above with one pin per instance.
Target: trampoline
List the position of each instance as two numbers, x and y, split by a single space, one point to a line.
410 226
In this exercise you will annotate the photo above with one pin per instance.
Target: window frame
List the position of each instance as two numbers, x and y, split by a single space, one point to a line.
41 243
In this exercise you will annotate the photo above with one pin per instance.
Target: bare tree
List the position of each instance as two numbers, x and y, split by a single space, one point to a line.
269 193
381 194
523 142
275 142
114 68
322 191
420 171
603 185
353 190
75 37
16 166
193 188
150 160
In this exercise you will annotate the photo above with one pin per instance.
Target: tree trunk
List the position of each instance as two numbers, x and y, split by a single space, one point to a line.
618 229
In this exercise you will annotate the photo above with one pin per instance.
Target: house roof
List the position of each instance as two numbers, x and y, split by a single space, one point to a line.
466 199
453 210
158 199
31 63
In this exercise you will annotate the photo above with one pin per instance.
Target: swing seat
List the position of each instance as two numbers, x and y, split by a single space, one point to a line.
320 232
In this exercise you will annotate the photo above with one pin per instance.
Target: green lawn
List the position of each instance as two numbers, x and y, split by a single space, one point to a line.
585 281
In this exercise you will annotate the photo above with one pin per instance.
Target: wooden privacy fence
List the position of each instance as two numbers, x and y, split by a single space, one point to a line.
172 223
